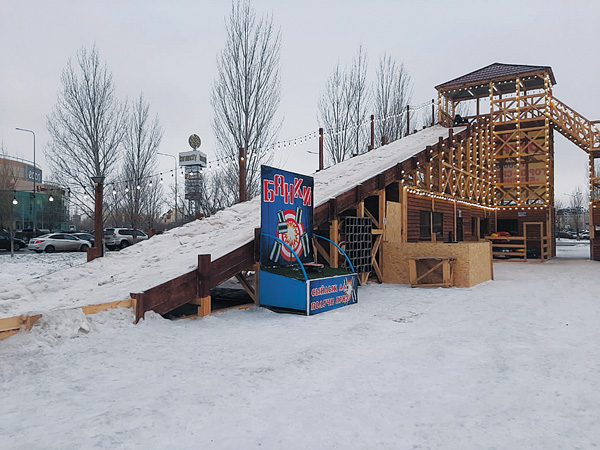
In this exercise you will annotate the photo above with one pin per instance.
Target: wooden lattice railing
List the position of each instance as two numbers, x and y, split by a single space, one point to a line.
574 126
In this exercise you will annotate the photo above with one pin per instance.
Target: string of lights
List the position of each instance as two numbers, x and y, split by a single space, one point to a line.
223 161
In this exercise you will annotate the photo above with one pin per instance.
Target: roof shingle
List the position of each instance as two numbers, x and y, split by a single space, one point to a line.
494 72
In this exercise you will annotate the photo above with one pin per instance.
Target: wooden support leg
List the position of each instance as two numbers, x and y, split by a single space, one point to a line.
205 306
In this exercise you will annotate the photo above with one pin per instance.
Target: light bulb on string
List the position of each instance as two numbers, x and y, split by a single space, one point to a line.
161 180
126 189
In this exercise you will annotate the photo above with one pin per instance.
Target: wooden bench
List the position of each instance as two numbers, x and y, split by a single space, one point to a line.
431 271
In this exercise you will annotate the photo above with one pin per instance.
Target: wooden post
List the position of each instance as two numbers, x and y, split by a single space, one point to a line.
382 222
372 146
333 235
320 148
432 112
242 175
204 282
407 120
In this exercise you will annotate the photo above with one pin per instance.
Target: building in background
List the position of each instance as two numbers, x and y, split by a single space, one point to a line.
39 204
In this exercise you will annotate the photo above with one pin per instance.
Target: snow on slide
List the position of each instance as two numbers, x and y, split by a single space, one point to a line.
167 256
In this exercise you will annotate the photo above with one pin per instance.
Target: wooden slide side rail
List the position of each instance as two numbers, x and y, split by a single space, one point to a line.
188 287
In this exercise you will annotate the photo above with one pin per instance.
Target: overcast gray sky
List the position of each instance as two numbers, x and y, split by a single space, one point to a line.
167 50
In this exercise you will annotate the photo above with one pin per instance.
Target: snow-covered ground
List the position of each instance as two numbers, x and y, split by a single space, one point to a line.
510 364
162 258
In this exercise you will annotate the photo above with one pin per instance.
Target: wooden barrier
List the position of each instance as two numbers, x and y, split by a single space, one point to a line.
431 271
472 260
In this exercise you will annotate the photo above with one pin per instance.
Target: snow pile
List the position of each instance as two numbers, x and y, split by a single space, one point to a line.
510 364
162 258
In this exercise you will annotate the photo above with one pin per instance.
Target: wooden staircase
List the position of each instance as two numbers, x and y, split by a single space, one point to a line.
574 126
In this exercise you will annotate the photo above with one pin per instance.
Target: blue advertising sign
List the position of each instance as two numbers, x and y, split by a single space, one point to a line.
287 213
330 293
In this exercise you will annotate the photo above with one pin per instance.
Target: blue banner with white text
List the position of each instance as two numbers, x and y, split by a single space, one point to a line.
287 213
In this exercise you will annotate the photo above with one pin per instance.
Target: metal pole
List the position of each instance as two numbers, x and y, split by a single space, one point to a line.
34 179
320 148
242 175
372 146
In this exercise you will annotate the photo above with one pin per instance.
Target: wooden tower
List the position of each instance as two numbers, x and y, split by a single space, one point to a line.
522 114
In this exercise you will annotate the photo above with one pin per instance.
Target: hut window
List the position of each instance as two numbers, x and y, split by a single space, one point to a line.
431 221
438 225
425 225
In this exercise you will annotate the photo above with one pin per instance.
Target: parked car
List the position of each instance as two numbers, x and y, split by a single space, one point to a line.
584 235
52 242
122 237
83 235
18 244
565 235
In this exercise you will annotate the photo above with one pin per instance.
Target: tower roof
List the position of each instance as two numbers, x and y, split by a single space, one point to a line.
477 80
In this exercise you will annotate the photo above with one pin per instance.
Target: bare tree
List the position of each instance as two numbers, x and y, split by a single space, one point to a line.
360 100
592 193
393 93
577 207
246 94
335 116
142 141
87 128
212 183
343 109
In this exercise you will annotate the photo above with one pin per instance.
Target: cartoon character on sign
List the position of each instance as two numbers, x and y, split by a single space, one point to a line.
291 231
349 290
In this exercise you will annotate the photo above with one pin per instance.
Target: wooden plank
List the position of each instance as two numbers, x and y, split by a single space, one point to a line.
333 236
234 262
93 309
8 333
322 251
205 306
10 323
247 287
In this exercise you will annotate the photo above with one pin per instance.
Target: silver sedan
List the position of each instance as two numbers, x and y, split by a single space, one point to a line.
58 242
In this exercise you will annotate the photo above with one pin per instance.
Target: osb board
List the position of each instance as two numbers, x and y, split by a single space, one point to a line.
472 265
393 219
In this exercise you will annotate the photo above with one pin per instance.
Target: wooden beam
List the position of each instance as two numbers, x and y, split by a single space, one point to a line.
247 287
93 309
333 236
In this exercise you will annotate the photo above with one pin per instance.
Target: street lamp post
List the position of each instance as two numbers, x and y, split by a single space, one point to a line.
34 178
175 175
12 224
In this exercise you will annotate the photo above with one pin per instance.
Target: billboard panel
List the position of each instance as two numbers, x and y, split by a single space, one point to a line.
330 293
195 158
287 213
